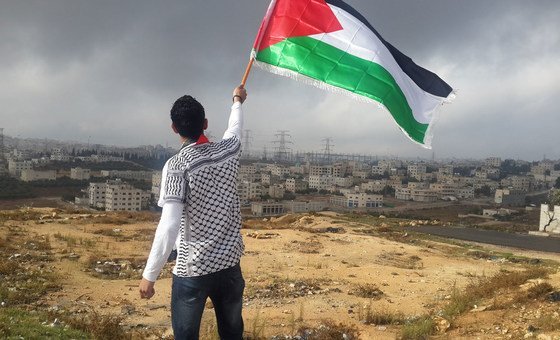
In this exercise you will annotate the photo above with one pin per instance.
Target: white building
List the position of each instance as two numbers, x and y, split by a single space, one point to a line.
301 207
509 197
145 176
358 200
294 185
117 196
375 186
80 174
103 158
279 171
320 182
59 155
267 208
343 182
16 167
38 175
121 196
495 162
550 219
416 170
156 184
249 190
320 170
276 191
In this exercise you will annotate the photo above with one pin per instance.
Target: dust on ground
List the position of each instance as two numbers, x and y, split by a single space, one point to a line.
300 271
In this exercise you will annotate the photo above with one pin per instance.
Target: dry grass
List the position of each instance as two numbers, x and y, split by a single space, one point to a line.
488 287
418 329
285 288
399 260
547 323
329 330
100 326
369 291
23 214
377 317
306 247
539 291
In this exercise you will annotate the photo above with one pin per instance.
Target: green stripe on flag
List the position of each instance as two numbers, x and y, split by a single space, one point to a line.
323 62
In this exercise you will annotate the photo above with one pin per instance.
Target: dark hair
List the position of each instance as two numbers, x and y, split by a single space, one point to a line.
187 114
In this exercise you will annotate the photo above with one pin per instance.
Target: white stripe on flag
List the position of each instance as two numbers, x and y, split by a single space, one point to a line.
358 40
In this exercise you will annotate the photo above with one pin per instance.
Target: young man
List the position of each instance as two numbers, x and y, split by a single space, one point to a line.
201 213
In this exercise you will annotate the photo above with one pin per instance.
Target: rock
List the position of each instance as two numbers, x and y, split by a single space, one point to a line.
128 309
479 309
442 324
544 337
554 296
154 306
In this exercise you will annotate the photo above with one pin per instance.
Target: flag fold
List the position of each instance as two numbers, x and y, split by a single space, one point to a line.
328 44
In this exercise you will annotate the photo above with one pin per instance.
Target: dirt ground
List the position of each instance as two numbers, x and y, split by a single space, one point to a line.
300 270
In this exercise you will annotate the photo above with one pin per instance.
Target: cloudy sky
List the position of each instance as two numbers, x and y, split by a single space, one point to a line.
110 70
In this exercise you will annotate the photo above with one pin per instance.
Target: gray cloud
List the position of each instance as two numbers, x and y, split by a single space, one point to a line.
110 70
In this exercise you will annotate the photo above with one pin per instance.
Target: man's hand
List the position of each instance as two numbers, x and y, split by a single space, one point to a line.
146 289
239 94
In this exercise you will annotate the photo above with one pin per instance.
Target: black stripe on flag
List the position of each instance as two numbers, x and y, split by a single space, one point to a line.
426 80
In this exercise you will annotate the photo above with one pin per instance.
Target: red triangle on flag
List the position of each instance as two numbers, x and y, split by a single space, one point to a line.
296 18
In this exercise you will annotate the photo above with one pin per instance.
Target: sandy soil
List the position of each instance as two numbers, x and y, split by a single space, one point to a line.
299 270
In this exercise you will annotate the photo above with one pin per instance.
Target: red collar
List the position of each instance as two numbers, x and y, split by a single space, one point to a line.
202 140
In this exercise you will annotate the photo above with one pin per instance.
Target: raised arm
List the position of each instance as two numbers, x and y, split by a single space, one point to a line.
235 123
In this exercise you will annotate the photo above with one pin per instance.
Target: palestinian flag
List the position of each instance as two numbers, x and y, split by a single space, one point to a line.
330 45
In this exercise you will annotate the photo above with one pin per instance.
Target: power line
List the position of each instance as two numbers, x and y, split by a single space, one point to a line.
327 148
2 159
247 143
282 150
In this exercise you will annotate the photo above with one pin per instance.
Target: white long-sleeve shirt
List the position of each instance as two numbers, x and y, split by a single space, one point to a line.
201 211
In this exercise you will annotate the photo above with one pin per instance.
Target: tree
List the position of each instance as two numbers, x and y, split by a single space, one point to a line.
485 190
557 184
554 197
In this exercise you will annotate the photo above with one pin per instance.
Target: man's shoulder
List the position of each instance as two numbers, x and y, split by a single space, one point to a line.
228 144
177 162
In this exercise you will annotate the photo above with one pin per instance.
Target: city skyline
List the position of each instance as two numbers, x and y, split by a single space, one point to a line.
110 72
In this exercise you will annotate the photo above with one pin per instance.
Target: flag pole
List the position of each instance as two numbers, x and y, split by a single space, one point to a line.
247 70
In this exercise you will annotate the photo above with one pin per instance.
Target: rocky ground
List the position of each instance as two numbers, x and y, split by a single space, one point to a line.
307 276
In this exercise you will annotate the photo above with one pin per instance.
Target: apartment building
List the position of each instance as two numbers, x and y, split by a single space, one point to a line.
320 170
320 182
128 174
156 184
249 190
38 175
120 196
15 167
416 170
358 200
294 185
116 195
376 185
495 162
80 174
276 191
510 197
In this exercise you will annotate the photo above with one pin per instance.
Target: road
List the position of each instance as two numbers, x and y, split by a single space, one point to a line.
523 241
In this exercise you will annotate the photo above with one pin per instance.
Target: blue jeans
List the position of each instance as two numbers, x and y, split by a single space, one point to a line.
188 298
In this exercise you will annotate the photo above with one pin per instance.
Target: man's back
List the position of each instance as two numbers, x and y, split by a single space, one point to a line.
204 178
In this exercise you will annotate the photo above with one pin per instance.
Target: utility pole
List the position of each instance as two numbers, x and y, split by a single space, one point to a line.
247 143
282 141
327 149
3 167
